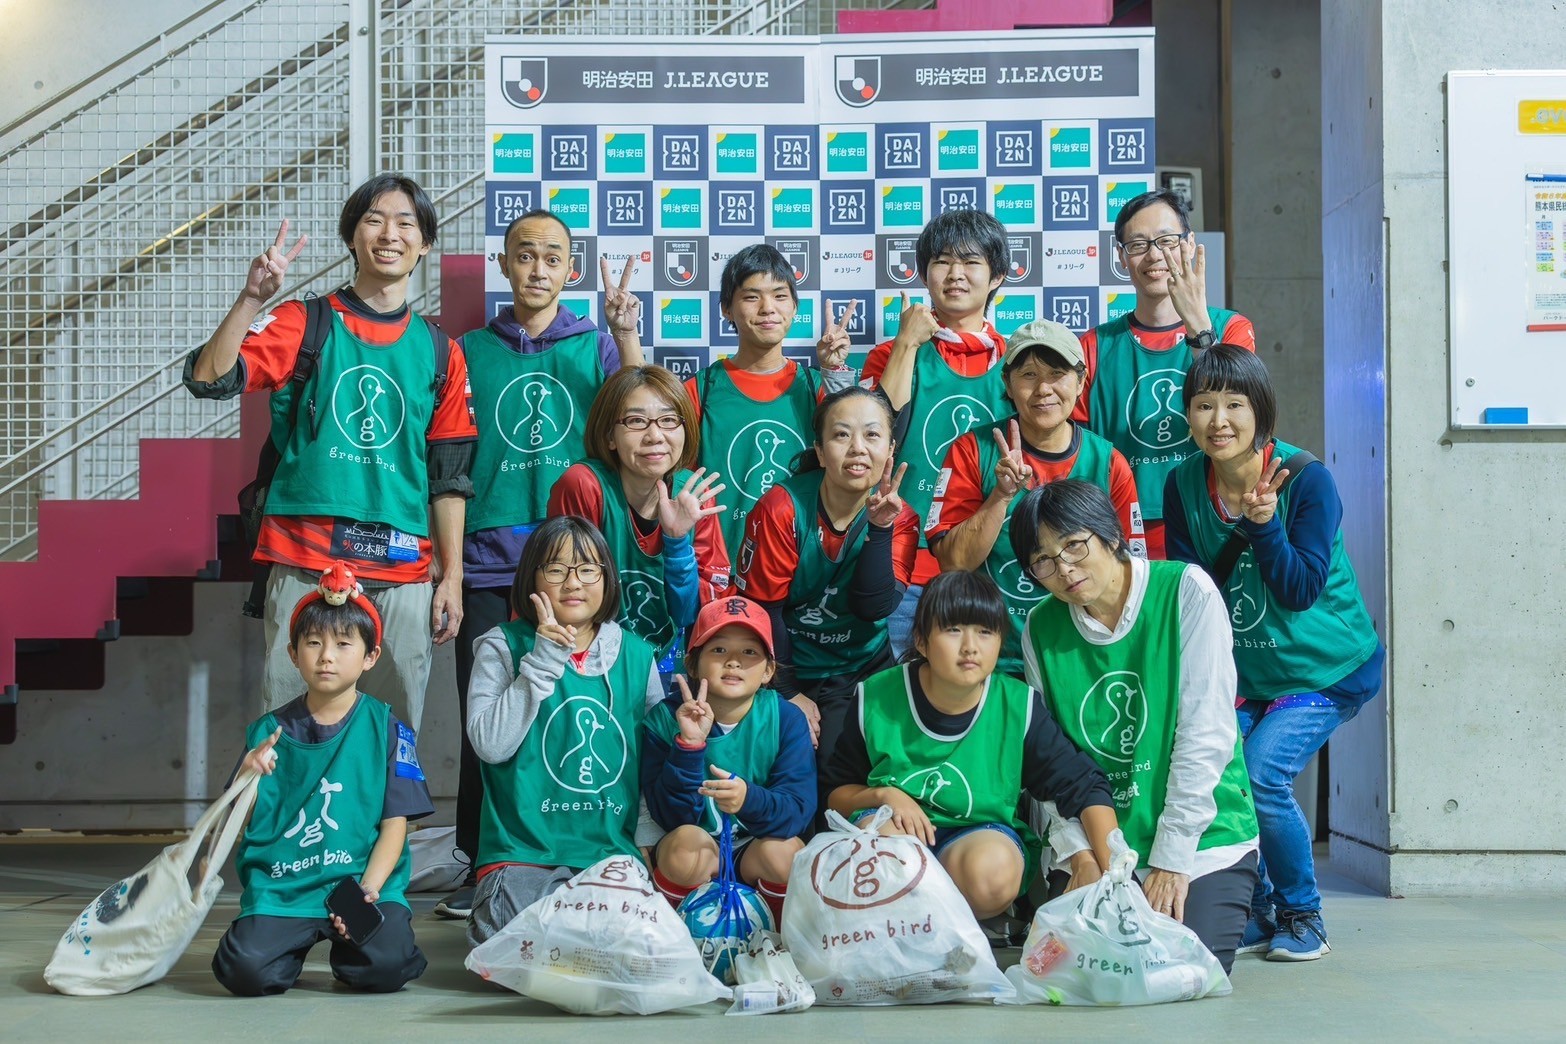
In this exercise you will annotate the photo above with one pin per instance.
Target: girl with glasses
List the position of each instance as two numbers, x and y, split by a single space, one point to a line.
555 710
660 520
1265 521
1134 659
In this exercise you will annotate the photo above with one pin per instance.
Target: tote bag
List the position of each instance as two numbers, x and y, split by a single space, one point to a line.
132 934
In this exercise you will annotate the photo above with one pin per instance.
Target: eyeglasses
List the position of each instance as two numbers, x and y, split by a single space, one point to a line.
586 572
1044 566
1138 247
637 422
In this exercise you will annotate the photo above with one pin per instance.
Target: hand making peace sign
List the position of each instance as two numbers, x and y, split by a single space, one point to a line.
1012 472
694 715
678 515
1259 504
622 308
884 504
832 349
265 278
548 627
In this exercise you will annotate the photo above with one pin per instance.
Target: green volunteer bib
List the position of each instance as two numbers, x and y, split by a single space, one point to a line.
1120 704
1278 651
643 609
317 816
958 781
1021 591
748 750
942 405
828 638
358 450
531 413
569 795
752 444
1134 402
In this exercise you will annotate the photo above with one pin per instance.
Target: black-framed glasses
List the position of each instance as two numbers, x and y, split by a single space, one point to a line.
1044 566
637 422
1138 247
587 572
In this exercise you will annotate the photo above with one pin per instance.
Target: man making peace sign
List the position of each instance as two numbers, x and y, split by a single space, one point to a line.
534 370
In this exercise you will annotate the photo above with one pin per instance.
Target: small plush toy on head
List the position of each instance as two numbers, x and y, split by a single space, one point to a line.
336 587
337 583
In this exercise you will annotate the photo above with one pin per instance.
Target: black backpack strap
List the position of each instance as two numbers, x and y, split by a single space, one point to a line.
1235 546
442 360
252 499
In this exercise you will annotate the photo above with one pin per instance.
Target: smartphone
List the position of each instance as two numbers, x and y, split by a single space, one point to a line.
362 919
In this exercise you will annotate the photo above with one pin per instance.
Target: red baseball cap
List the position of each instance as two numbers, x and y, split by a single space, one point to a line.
721 612
336 587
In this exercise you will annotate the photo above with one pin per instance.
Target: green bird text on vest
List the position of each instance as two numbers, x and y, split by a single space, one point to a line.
585 749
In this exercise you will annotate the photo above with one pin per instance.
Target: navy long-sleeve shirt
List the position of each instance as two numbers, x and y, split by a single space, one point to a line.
1293 555
782 805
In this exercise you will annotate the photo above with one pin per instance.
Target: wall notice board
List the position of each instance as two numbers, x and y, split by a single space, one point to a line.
1506 244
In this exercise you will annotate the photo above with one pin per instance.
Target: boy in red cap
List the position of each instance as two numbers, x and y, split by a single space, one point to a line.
728 746
341 780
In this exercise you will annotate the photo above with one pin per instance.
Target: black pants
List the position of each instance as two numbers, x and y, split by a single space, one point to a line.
834 698
260 956
482 609
1218 905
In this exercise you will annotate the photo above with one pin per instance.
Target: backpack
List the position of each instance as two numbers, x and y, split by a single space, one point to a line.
252 499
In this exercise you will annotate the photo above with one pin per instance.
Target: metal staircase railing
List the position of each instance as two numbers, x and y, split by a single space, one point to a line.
130 219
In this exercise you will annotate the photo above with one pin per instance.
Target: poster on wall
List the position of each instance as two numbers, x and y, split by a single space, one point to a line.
1545 251
679 151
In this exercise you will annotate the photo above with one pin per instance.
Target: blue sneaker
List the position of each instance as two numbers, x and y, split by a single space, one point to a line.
1259 931
1301 937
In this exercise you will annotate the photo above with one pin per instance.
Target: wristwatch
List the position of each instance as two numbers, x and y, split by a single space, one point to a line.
1205 339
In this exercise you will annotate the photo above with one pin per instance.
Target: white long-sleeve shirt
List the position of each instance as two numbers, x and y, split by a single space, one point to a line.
503 704
1205 725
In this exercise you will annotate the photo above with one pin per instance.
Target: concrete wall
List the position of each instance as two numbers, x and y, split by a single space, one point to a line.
1473 801
151 748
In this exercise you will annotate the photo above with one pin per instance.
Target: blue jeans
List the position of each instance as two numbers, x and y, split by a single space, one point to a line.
899 626
1280 738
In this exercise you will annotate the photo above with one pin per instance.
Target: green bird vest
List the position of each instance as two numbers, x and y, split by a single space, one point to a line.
1021 591
942 406
828 638
752 444
1119 703
748 750
1278 651
1135 403
643 609
569 795
317 816
959 781
531 413
358 450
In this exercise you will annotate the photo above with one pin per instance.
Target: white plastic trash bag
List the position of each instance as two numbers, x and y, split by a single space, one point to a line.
132 934
769 981
1104 944
876 920
604 943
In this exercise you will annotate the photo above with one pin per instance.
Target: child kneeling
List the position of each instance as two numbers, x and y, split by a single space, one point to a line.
555 709
951 746
734 748
341 780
